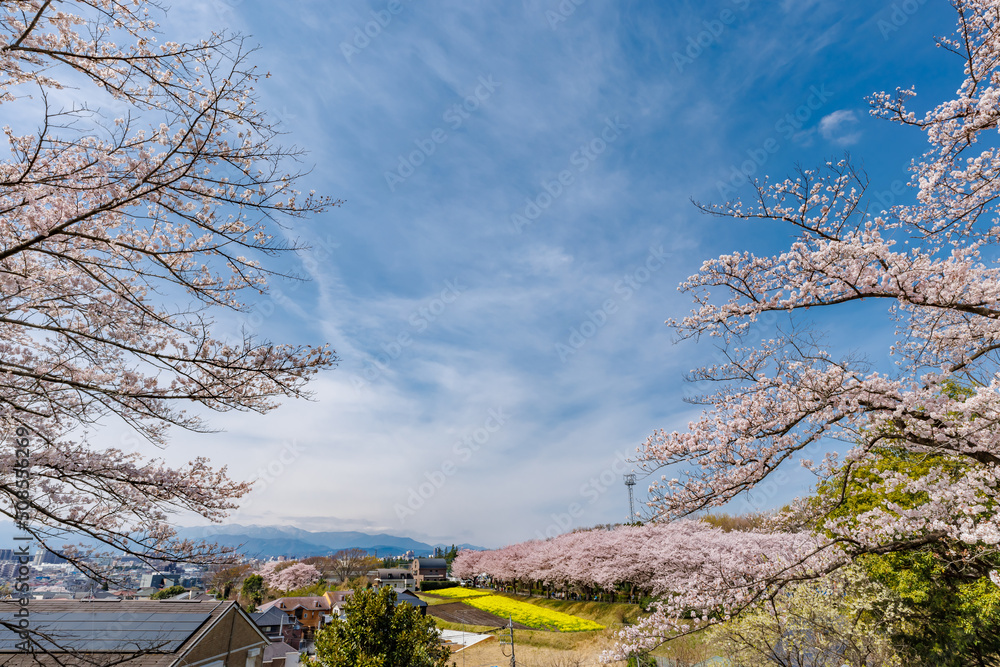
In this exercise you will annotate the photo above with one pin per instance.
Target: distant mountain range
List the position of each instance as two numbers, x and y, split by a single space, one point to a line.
270 541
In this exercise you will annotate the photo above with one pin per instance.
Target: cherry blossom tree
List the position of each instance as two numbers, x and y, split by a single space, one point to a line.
289 578
681 562
843 620
141 191
932 264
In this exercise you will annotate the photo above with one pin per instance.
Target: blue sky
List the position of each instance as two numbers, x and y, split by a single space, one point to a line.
498 359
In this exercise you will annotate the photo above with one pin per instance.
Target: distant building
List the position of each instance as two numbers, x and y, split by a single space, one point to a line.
46 557
201 596
398 578
159 581
156 581
429 569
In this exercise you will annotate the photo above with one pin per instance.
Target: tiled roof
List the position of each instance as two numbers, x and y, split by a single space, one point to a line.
338 596
290 604
409 598
269 616
277 650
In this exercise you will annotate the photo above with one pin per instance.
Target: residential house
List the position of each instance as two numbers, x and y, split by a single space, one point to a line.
429 569
337 597
336 600
272 623
193 595
280 654
398 578
132 633
151 580
309 611
409 598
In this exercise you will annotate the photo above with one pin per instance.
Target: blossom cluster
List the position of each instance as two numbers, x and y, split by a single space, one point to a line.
119 237
695 570
931 263
282 577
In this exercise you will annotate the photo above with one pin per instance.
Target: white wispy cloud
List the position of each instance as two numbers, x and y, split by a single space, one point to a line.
421 372
840 127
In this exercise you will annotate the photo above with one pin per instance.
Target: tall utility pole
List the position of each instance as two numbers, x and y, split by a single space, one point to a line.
507 639
630 482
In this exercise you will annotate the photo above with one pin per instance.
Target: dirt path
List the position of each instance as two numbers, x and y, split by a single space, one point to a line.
458 612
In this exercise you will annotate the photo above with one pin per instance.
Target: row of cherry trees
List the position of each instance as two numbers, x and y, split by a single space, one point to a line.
932 263
923 436
670 560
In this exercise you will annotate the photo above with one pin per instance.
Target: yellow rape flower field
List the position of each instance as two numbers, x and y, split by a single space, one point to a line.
458 593
531 615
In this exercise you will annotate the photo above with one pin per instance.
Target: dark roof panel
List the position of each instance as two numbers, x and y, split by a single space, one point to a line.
105 631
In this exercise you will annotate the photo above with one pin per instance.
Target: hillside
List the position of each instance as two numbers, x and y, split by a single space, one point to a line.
268 541
271 541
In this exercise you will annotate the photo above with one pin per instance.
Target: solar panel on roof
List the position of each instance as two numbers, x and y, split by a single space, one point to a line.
104 631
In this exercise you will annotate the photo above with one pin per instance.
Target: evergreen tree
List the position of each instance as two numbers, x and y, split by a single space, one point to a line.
378 633
253 590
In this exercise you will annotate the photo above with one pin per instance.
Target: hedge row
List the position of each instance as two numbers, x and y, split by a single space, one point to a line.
435 585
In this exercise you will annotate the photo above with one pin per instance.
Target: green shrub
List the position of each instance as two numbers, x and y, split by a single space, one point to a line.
167 593
436 585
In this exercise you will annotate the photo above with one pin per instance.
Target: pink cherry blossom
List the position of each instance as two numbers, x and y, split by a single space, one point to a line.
119 239
298 575
689 566
932 264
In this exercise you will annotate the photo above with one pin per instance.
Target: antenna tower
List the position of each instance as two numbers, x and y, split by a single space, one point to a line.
630 482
